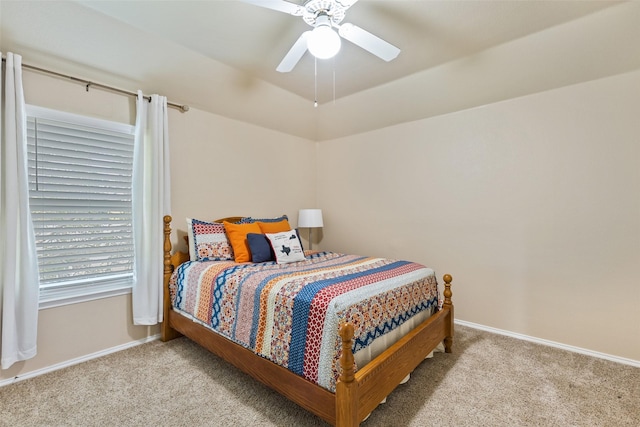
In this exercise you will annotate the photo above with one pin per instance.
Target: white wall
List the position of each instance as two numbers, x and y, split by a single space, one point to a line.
220 167
532 204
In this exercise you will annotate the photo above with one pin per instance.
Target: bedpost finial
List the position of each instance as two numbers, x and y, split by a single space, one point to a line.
447 289
167 245
346 331
346 360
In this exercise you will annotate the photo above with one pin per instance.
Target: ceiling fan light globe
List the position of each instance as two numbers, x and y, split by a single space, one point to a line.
323 42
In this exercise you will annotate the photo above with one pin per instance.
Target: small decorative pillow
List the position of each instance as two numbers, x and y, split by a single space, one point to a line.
260 248
237 234
208 241
274 227
286 246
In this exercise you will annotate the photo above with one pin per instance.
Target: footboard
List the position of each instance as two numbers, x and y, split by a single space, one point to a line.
359 393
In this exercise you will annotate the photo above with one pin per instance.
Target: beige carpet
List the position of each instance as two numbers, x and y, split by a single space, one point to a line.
490 380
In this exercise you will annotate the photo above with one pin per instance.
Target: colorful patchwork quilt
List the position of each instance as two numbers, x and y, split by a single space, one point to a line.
290 313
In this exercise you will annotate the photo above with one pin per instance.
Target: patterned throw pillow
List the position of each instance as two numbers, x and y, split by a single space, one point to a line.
208 241
286 246
249 220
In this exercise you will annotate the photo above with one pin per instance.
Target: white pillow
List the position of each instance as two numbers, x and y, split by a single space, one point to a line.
286 246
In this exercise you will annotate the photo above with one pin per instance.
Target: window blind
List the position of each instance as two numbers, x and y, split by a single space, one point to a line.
80 196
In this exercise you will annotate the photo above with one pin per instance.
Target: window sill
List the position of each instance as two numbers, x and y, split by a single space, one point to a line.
58 298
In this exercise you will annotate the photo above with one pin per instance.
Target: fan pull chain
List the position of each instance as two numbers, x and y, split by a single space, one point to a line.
334 80
315 82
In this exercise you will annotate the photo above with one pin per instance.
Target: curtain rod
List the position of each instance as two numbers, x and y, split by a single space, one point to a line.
88 83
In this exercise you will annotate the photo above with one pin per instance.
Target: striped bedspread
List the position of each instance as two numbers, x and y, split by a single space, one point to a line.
290 313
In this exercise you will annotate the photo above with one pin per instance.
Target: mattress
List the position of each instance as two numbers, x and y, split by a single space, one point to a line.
290 313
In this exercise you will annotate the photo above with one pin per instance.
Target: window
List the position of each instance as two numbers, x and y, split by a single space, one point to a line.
80 172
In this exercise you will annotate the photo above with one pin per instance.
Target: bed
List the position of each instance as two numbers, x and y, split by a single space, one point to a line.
319 372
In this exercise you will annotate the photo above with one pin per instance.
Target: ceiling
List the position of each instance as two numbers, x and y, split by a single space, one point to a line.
255 39
220 56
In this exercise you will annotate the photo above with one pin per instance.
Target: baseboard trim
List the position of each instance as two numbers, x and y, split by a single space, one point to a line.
570 348
599 355
77 360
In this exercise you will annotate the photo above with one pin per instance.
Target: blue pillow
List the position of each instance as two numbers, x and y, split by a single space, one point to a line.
298 234
260 248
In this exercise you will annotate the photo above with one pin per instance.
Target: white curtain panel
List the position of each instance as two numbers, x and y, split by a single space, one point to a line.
18 262
151 201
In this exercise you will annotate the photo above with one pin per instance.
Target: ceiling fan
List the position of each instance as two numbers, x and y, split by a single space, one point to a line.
322 41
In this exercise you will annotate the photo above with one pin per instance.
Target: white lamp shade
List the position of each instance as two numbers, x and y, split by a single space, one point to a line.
310 218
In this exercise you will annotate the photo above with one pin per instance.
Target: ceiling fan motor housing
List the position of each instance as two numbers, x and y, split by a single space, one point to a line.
313 9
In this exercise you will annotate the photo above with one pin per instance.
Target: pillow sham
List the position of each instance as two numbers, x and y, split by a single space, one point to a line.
260 248
237 234
208 241
274 227
286 246
249 220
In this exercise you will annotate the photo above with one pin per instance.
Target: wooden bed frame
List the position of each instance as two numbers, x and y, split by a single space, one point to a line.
357 393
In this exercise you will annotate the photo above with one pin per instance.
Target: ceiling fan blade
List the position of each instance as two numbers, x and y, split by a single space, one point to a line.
368 41
292 57
346 4
279 5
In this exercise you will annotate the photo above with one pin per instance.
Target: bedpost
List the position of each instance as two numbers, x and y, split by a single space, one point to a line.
448 340
166 332
346 388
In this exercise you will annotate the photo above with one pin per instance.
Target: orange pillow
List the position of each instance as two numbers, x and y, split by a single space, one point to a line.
274 227
237 234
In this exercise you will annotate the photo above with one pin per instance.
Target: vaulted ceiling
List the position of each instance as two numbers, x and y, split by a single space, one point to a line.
220 56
